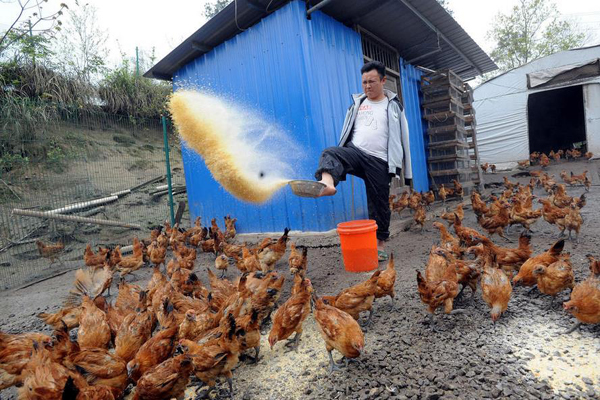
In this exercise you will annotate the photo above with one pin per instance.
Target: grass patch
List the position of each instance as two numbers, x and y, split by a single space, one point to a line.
75 140
140 165
148 147
124 140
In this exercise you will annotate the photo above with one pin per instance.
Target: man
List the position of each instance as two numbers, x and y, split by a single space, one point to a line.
374 146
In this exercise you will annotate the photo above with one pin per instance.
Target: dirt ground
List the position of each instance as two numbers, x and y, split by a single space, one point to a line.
523 356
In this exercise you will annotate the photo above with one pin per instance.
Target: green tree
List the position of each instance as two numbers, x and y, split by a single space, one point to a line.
212 8
31 20
81 48
533 29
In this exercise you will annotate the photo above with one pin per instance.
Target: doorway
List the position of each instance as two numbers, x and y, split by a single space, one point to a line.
556 119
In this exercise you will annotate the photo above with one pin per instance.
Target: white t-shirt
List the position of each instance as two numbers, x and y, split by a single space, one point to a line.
370 132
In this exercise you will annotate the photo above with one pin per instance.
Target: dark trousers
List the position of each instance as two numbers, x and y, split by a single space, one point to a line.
339 161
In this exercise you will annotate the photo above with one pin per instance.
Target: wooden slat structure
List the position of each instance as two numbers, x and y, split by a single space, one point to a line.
452 146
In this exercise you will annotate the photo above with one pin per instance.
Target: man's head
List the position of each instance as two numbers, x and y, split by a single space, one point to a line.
373 79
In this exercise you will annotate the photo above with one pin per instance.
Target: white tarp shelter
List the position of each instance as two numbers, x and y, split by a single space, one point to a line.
547 104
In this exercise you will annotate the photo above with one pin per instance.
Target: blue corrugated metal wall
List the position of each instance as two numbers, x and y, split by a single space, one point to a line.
411 85
300 73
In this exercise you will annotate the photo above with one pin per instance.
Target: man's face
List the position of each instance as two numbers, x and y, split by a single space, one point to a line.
373 85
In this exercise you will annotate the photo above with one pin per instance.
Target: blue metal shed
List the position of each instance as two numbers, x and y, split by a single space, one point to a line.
300 74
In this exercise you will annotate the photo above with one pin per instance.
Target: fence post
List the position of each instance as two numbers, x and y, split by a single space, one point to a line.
166 137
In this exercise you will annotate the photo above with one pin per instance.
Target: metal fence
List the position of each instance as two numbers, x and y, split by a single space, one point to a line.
79 164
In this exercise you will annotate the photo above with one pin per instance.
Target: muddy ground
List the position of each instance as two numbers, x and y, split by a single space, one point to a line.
523 356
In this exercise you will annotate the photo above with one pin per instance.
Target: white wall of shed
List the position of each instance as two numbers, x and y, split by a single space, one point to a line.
591 104
501 108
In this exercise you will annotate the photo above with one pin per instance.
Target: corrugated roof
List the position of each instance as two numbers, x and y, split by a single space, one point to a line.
413 27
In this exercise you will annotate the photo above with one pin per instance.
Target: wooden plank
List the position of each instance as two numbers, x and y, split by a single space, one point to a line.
73 218
448 143
442 116
451 157
446 129
450 172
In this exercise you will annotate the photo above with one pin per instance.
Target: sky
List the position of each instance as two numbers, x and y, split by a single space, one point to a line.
164 25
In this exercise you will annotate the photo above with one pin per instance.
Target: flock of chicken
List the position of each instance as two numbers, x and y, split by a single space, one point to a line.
158 336
494 267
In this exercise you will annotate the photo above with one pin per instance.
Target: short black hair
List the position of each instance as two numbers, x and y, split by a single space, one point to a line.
374 65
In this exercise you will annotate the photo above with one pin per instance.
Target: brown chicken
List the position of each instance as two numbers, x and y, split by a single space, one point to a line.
449 216
231 250
91 283
414 200
571 222
509 260
443 192
496 289
115 257
218 356
230 230
534 157
50 250
588 155
356 299
555 278
544 160
420 216
156 350
594 265
15 351
291 315
156 253
400 204
493 168
386 281
525 276
95 260
94 330
95 392
69 315
298 261
479 206
458 189
271 254
585 302
523 216
216 231
134 331
497 223
339 331
429 198
220 287
249 262
508 184
448 240
552 214
466 234
523 164
165 381
222 263
133 262
484 167
440 284
42 378
99 367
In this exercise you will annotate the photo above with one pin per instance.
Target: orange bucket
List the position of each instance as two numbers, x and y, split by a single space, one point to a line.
359 245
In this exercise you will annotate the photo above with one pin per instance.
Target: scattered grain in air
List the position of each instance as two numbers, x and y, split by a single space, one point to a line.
239 149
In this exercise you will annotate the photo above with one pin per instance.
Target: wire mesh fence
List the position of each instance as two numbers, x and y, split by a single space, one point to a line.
80 164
